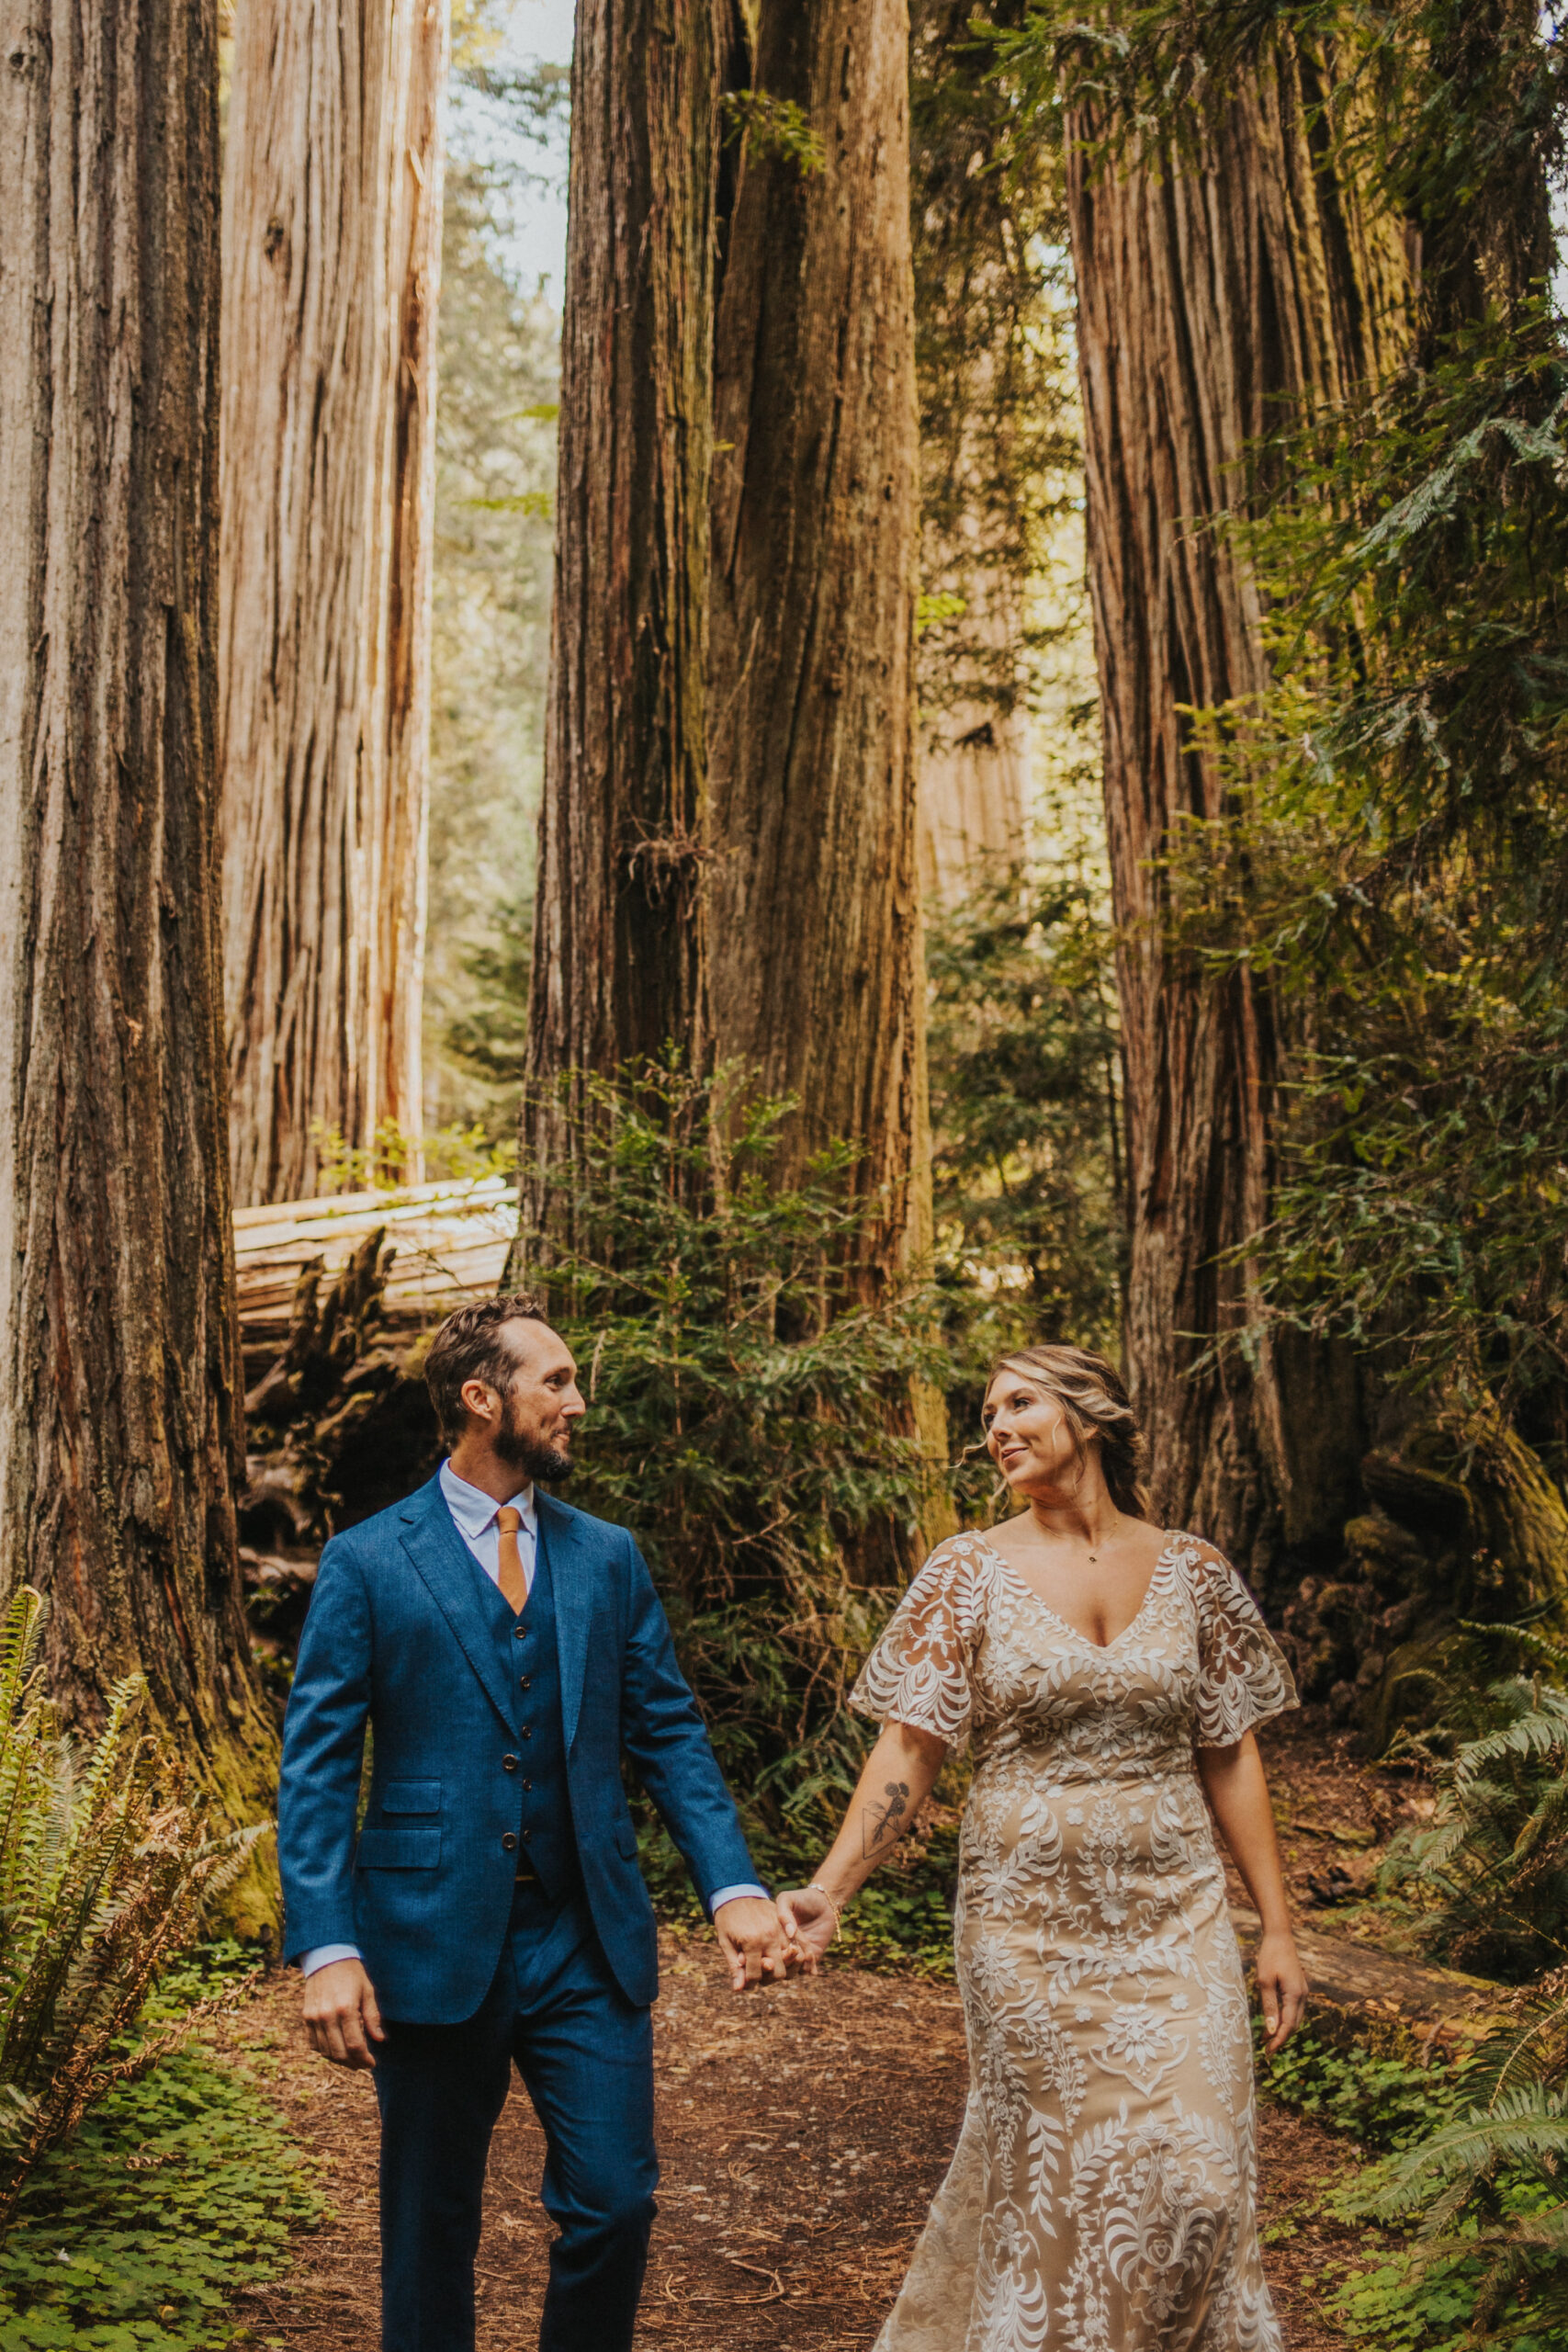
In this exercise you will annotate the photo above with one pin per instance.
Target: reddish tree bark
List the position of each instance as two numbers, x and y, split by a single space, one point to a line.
120 1428
1214 287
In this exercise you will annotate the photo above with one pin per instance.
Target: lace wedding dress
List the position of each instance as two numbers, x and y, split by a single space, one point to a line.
1101 2198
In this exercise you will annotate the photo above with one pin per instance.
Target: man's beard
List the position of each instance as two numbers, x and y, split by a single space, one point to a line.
529 1455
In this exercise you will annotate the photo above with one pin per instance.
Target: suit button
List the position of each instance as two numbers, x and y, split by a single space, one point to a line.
520 1633
527 1682
509 1763
509 1842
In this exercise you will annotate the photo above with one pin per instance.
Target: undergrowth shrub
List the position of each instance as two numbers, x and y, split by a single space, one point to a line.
752 1388
178 2190
106 1869
1486 1883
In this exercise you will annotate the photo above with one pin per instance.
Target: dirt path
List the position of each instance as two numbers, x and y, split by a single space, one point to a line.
802 2135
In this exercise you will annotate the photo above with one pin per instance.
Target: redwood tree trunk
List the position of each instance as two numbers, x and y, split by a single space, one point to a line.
333 236
816 971
120 1435
619 939
1210 287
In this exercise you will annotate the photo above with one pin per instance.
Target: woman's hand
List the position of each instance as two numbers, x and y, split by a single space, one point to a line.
811 1923
1283 1985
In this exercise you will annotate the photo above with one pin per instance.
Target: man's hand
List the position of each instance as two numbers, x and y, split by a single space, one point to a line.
340 2011
751 1941
811 1923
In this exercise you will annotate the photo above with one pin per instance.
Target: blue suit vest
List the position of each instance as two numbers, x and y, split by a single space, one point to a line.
529 1655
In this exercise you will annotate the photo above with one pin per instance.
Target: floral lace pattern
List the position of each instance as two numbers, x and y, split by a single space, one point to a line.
1101 2197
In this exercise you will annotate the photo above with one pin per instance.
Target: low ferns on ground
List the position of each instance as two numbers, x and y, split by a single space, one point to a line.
1481 2189
106 1869
1487 1880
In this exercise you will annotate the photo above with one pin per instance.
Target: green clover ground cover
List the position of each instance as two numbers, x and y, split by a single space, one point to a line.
177 2192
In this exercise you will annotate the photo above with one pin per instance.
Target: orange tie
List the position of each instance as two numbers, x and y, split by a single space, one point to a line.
512 1581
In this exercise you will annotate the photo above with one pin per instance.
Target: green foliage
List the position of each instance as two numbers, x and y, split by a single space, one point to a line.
456 1155
495 479
178 2189
1399 870
106 1869
774 126
1486 1879
994 362
1026 1163
1378 2097
487 1039
749 1393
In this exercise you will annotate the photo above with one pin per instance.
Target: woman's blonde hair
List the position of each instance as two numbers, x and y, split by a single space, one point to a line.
1093 1396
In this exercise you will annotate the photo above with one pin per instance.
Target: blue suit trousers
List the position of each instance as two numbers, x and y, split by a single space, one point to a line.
585 2054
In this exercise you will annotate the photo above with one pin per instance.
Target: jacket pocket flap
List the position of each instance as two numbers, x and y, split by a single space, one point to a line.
397 1850
412 1796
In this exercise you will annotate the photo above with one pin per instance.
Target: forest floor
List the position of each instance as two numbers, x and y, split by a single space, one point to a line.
802 2133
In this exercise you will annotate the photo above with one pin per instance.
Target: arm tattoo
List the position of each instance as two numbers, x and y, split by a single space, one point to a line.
883 1824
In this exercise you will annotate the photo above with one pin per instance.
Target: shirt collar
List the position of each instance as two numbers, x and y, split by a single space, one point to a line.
475 1511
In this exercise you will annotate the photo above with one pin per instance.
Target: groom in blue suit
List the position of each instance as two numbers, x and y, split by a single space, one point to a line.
488 1911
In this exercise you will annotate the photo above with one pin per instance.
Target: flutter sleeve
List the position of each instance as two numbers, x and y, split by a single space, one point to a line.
1243 1677
921 1671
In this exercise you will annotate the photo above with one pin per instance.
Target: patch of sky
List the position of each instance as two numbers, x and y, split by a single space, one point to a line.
512 117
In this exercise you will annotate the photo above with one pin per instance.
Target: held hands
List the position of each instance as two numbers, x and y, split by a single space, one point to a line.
1282 1988
751 1941
810 1922
341 2014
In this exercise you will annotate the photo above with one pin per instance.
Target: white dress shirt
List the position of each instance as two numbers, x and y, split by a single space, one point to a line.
475 1514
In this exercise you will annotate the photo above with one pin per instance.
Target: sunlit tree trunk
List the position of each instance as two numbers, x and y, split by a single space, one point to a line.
816 973
620 935
332 248
1213 288
120 1435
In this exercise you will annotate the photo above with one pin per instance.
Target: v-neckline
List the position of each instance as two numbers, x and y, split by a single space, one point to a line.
1099 1650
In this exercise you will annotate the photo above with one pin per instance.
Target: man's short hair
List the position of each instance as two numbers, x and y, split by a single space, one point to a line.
471 1345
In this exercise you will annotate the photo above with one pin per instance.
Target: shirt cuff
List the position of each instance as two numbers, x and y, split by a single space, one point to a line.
323 1956
733 1893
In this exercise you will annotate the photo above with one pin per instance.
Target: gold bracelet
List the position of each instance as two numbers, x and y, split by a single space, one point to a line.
816 1887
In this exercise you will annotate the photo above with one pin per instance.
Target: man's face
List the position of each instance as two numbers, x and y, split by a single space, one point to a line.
540 1408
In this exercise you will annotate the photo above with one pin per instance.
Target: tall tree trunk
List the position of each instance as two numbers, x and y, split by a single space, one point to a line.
816 971
620 935
333 240
120 1432
1212 287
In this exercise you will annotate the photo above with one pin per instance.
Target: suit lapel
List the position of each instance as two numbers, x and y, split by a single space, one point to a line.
570 1554
449 1569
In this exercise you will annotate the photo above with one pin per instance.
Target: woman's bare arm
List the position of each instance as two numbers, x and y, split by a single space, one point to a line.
1238 1792
900 1774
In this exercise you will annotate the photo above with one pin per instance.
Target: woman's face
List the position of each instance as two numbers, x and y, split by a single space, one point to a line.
1029 1438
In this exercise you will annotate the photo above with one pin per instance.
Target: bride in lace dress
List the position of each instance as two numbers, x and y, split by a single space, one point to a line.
1109 1678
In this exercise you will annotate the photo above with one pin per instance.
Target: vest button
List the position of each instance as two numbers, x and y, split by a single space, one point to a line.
527 1731
520 1631
527 1682
509 1843
528 1786
509 1763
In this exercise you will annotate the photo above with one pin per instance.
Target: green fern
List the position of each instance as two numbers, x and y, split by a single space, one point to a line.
106 1869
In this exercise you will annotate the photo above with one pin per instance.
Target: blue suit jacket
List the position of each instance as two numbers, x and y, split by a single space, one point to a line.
397 1638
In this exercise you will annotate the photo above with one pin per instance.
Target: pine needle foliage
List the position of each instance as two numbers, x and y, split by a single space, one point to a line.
106 1869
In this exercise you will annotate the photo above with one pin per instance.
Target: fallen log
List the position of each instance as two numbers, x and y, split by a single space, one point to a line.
1355 1985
